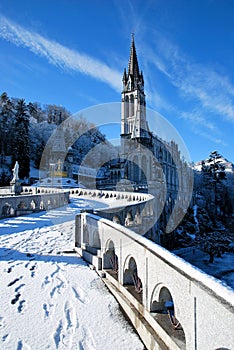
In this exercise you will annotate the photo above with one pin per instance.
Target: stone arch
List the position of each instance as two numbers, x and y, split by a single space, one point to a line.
162 304
128 219
131 280
110 258
22 205
33 205
130 267
160 296
86 234
96 239
7 210
116 218
137 218
49 203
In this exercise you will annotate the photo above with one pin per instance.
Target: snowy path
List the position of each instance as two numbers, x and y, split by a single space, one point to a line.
50 299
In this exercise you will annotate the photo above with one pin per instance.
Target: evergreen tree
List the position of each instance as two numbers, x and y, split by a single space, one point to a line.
36 112
213 174
6 114
21 139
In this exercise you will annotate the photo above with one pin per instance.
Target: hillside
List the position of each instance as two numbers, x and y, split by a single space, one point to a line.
229 166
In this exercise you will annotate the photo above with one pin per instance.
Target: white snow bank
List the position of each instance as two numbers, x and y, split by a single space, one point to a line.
50 299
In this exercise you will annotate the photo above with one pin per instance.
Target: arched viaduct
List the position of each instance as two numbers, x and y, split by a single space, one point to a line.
172 304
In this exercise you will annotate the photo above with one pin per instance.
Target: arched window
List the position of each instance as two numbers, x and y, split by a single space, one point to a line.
131 106
144 174
126 108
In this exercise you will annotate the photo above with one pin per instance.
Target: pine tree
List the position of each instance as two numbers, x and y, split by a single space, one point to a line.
6 115
21 139
214 173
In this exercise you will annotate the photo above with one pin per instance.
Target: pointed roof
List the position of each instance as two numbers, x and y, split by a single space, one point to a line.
133 68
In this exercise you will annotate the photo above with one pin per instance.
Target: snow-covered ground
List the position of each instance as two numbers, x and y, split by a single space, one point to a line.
50 299
222 268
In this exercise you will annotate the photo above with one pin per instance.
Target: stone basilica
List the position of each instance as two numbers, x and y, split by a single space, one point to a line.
150 163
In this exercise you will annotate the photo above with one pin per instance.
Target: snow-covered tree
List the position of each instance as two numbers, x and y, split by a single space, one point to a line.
213 172
56 114
6 121
21 139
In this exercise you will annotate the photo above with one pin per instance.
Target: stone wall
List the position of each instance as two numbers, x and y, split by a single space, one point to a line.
31 200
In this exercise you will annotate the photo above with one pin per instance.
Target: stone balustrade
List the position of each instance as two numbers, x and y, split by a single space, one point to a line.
130 209
32 199
172 304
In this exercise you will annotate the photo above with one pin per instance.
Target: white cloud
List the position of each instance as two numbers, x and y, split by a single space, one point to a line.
203 127
195 117
212 90
58 54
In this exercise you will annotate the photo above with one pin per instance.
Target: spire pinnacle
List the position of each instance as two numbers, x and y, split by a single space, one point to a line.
133 67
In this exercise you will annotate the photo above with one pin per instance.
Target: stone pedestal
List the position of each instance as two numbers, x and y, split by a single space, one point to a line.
16 187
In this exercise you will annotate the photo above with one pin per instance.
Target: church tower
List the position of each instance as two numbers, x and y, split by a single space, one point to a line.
133 111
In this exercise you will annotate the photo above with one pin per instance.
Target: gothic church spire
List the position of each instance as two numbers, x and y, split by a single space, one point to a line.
133 79
133 68
133 121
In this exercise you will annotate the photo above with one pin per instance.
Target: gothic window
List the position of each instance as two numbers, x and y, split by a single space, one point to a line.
150 169
126 106
160 154
144 167
131 107
135 169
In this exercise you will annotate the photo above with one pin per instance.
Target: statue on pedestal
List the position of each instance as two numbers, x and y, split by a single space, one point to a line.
16 186
15 171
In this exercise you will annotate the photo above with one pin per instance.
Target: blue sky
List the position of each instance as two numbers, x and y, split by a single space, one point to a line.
73 52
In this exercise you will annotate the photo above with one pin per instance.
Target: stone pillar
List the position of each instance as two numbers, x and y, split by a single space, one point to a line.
16 187
78 228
